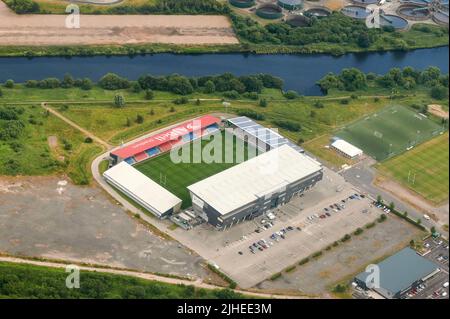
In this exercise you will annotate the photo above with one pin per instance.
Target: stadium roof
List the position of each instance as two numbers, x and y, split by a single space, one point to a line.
255 178
164 137
401 270
347 148
261 133
141 188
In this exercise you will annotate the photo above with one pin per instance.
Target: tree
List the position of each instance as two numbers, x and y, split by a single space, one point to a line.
263 103
128 122
433 229
439 92
210 87
23 6
197 102
119 101
112 81
405 214
139 119
152 112
392 206
412 243
67 81
379 199
419 221
86 84
149 95
9 84
136 87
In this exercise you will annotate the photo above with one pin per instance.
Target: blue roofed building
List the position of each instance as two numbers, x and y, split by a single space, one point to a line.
399 273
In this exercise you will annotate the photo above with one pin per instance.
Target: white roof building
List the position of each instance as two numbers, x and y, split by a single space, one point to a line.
258 177
346 148
142 189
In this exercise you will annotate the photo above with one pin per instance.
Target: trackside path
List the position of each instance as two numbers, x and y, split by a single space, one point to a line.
76 126
145 276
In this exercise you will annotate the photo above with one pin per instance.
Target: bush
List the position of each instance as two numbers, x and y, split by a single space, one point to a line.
317 254
290 95
251 114
263 103
149 95
344 101
88 140
358 231
346 238
439 92
181 100
119 100
231 94
9 84
251 95
139 119
275 276
290 268
23 6
303 261
370 225
382 218
288 125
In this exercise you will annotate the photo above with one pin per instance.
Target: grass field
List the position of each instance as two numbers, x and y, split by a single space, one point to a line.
390 132
176 177
424 169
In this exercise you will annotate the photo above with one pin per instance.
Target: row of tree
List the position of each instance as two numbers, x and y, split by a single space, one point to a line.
407 78
335 29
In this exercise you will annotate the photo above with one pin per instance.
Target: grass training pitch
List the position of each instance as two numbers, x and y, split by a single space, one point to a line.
175 177
424 169
390 132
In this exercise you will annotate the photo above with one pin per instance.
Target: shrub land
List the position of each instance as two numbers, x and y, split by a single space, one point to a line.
27 281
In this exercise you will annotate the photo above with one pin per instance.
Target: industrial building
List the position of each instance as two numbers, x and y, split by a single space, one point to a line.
264 138
399 273
346 149
254 187
142 190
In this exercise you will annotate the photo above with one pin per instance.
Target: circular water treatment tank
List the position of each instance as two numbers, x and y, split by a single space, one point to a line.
297 20
365 2
356 12
413 12
390 20
441 17
242 3
269 11
318 12
290 4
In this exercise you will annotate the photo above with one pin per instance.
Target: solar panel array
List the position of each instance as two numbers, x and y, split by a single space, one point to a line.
262 134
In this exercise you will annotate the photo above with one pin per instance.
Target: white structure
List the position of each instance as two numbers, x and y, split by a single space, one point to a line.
143 190
255 186
346 149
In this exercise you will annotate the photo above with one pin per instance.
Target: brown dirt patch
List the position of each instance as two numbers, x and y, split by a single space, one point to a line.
437 110
37 29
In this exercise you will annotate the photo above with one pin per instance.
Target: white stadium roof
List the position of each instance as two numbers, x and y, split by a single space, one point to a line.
146 192
255 178
347 148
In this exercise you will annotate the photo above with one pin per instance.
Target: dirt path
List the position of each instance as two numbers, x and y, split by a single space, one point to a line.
37 29
76 126
146 276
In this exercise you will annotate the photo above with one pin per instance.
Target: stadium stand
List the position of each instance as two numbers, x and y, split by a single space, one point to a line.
163 142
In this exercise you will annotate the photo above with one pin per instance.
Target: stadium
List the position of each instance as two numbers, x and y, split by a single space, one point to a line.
255 169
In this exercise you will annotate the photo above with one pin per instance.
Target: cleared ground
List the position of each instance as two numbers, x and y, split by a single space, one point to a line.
48 217
114 29
222 248
390 132
175 177
424 169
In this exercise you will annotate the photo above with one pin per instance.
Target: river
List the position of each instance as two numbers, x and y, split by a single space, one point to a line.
300 72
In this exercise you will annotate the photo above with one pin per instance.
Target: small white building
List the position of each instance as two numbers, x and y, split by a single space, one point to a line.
147 193
346 149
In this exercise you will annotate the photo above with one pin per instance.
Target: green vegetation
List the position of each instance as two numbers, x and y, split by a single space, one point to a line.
32 142
175 177
275 276
390 132
27 281
424 169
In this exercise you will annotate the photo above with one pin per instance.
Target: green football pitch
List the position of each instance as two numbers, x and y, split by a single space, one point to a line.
390 132
175 177
423 169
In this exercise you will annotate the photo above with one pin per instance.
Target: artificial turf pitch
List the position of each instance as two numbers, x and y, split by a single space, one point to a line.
390 132
425 169
175 177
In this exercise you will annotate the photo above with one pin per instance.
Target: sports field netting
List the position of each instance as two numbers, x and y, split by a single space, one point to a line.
176 177
390 132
